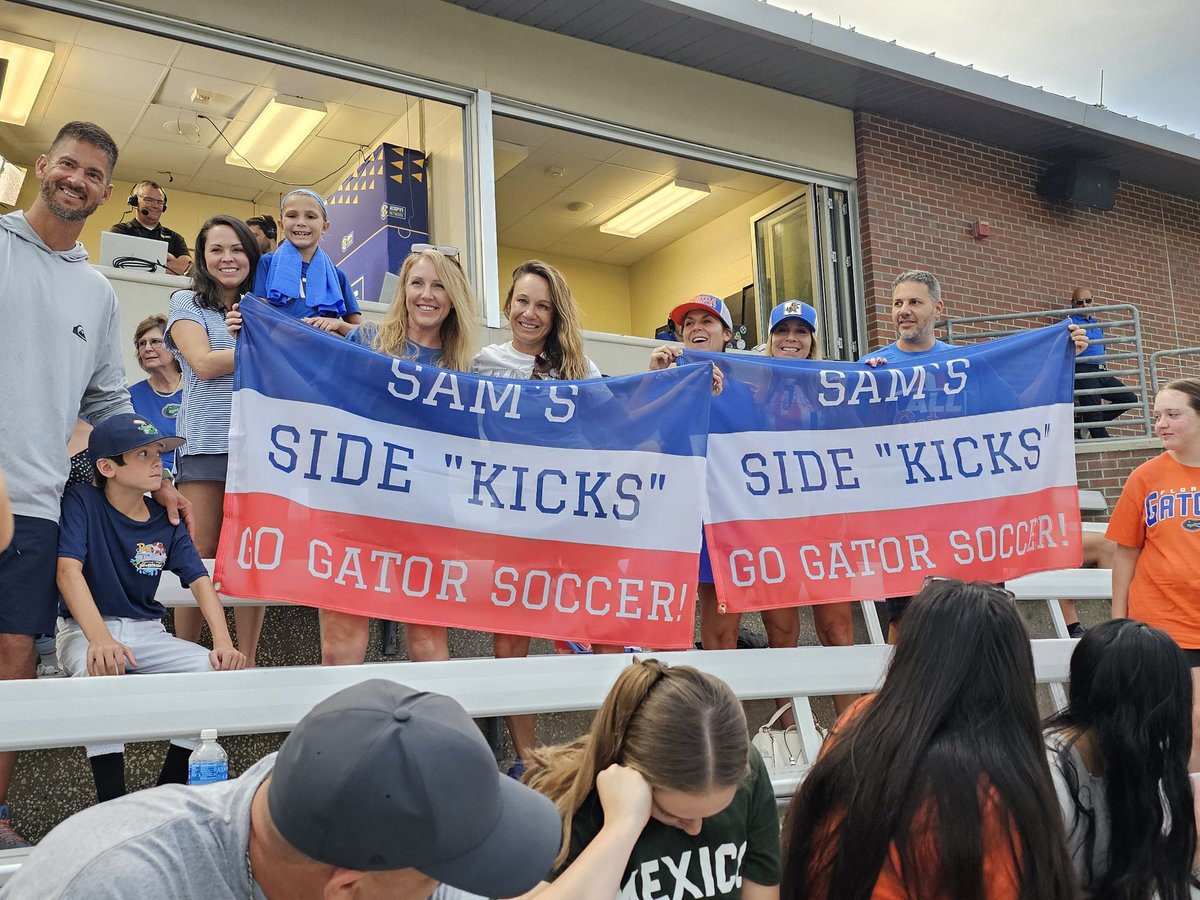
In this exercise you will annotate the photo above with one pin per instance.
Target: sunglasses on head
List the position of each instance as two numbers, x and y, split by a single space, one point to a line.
940 579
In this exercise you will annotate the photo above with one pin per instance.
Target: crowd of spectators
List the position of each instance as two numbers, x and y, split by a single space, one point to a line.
940 785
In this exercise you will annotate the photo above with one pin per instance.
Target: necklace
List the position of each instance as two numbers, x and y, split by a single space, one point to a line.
249 870
168 393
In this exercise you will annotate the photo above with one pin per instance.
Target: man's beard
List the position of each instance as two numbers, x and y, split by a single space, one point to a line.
66 213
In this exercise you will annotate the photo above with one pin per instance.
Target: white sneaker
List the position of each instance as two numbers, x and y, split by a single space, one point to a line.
50 670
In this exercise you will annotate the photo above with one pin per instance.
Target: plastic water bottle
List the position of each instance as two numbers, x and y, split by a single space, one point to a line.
208 762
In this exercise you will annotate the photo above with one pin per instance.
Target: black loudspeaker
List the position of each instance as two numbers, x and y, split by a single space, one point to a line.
132 199
1080 182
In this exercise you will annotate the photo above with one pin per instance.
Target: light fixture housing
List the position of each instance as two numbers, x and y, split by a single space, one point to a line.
28 63
656 208
12 177
277 133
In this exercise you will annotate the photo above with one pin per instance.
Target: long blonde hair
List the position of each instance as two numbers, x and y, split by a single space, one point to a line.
564 344
681 729
458 328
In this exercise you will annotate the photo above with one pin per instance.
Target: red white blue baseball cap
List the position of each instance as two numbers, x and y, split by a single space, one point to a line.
794 309
707 303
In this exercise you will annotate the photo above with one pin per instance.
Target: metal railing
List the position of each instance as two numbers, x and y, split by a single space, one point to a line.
1122 359
1157 358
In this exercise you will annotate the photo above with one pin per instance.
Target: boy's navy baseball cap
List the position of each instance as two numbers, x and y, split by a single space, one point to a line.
124 432
794 309
381 776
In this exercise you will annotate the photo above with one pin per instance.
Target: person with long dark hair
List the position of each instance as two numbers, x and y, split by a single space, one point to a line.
226 256
662 796
937 787
1118 755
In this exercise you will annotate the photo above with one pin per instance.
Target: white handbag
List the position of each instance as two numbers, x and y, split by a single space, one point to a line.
779 747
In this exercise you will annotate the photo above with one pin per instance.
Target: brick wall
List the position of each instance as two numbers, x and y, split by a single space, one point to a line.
919 193
1104 466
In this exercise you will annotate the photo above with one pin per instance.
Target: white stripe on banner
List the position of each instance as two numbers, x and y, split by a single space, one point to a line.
783 475
328 459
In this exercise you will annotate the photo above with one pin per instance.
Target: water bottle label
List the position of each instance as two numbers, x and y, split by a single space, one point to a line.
208 772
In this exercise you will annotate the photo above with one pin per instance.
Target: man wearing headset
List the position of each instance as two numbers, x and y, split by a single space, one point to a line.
149 202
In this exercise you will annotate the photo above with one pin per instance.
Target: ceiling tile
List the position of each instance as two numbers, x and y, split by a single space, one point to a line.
517 131
310 85
581 145
616 181
358 126
116 76
227 96
143 157
366 96
115 115
587 243
537 232
541 161
127 44
516 197
183 126
325 155
39 23
635 250
234 67
646 160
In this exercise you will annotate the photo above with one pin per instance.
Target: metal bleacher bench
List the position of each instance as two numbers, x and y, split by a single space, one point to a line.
72 712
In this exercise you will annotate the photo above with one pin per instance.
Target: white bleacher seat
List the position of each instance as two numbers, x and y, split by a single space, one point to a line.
1092 501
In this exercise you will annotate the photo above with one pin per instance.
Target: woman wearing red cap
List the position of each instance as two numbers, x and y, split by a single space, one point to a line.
704 323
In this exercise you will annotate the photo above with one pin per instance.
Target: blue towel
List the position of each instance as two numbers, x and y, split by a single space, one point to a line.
322 291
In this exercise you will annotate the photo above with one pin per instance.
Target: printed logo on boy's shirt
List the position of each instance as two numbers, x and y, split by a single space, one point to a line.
149 559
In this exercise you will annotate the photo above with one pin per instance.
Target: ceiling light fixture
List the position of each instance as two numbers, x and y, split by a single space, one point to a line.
12 177
277 133
28 62
656 208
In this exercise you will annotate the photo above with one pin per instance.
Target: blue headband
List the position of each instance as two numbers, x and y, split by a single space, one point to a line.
307 193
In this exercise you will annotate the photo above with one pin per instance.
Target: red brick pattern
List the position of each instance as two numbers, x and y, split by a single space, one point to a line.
1107 470
920 191
919 194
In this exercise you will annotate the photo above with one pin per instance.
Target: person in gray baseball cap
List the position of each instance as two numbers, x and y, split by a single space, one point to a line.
380 791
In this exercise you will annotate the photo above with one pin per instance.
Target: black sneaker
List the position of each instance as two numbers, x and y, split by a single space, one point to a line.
1076 630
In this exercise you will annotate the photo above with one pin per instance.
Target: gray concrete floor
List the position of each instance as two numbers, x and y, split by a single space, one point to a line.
50 785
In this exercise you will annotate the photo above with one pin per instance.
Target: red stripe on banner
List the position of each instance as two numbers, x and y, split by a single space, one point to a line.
889 553
274 549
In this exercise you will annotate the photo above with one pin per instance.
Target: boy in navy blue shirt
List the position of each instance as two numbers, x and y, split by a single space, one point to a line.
113 543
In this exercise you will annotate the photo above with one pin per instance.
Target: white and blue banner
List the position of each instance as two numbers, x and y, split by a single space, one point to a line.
835 481
381 487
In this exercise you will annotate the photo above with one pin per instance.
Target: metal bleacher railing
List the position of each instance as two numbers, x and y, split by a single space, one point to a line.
1123 358
1166 365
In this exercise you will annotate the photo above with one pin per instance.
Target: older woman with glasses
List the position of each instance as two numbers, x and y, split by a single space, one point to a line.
157 397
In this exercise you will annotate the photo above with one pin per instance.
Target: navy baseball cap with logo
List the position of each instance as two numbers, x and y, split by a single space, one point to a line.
794 309
381 777
124 432
707 303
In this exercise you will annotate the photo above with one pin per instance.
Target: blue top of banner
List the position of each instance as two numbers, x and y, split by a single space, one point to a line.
1033 368
664 412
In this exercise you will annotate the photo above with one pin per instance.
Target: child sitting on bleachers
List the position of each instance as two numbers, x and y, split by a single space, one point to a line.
113 543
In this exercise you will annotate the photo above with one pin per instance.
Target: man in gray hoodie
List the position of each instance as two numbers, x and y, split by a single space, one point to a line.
66 365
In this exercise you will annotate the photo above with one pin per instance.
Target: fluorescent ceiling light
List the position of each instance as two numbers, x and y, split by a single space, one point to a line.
28 62
12 177
656 208
277 133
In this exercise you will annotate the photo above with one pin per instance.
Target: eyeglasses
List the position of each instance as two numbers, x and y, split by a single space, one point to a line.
152 343
1085 301
150 201
942 579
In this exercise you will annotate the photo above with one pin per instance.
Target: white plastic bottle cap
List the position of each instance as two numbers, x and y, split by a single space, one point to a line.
208 734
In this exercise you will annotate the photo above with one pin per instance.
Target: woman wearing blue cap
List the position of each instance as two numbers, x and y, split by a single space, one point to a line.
793 335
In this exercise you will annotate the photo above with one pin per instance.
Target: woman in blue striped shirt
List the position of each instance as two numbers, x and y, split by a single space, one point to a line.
226 255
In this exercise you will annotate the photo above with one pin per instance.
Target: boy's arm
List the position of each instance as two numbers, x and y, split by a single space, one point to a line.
6 518
105 656
223 655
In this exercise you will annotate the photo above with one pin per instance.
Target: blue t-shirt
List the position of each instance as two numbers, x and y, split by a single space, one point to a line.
892 353
1094 334
122 558
364 336
159 411
295 307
